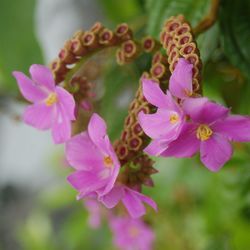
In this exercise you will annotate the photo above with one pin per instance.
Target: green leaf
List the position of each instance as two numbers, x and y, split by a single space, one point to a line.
235 33
121 11
18 46
160 10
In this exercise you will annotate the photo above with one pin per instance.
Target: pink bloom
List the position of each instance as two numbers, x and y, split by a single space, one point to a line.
210 132
94 159
180 82
130 198
94 209
163 126
131 234
53 107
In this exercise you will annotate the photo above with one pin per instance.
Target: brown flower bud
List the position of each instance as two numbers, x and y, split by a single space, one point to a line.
124 32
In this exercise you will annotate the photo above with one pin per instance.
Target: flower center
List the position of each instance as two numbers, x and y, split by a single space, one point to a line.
173 118
133 231
187 92
51 99
204 132
108 162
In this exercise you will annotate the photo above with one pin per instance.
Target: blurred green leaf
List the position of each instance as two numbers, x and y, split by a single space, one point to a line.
234 20
119 11
18 46
160 10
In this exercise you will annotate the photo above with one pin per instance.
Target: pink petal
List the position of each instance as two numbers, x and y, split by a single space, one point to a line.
158 124
61 129
186 145
29 90
82 154
154 94
43 76
112 198
156 147
133 201
85 182
202 110
97 130
180 83
234 127
112 179
215 152
67 101
39 116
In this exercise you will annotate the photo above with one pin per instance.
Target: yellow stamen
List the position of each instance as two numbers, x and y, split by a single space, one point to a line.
51 99
173 118
204 132
187 92
108 162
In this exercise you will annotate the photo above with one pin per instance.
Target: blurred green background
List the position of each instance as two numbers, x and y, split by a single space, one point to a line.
198 210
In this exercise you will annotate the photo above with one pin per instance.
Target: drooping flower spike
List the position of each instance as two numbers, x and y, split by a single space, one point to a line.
53 107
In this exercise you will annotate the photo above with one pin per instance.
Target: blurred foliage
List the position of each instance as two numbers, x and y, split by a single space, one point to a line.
18 46
199 210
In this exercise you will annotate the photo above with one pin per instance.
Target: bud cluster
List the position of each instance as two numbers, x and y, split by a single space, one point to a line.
178 41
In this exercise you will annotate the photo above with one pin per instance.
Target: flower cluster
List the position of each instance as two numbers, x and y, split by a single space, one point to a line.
53 107
128 233
184 124
97 167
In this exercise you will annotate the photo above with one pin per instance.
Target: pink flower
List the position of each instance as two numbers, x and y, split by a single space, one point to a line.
180 82
53 107
131 234
94 209
163 126
210 132
130 198
94 159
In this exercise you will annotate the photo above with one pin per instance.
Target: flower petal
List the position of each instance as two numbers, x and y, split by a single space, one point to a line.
158 124
61 129
153 93
202 110
215 152
156 147
180 83
39 116
85 182
43 76
97 130
133 201
112 198
186 145
29 90
234 127
67 101
82 154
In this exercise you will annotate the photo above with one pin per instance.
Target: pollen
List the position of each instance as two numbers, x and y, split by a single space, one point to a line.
108 162
51 99
174 118
204 132
187 92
